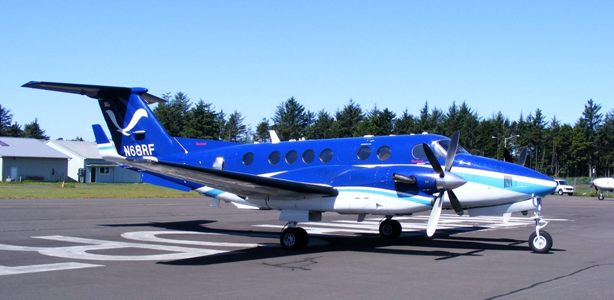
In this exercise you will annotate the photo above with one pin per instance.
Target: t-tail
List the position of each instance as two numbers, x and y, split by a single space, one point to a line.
135 130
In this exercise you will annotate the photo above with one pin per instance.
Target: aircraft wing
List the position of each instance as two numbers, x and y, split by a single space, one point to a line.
241 184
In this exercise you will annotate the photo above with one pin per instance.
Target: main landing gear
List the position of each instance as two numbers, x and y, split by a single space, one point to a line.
540 241
389 228
293 237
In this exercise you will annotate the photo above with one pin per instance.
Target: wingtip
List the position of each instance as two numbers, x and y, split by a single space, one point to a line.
30 84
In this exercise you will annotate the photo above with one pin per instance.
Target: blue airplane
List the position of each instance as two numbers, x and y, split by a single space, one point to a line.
371 175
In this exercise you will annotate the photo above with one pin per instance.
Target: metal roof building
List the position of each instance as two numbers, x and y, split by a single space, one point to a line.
86 164
30 159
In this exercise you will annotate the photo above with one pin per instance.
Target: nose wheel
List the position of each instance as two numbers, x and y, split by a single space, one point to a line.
540 241
294 238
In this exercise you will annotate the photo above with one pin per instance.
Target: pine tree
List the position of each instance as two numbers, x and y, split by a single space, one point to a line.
202 122
322 127
405 124
33 130
5 120
173 114
235 130
589 124
348 120
291 120
262 131
605 137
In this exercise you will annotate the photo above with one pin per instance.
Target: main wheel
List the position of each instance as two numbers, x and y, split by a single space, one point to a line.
560 192
541 243
294 238
600 196
390 229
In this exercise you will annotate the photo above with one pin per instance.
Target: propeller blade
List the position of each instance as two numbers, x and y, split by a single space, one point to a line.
523 156
432 159
455 203
434 217
452 151
507 156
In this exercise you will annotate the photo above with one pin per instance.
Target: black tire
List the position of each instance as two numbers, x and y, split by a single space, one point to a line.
303 238
294 238
390 229
570 194
541 244
560 192
600 196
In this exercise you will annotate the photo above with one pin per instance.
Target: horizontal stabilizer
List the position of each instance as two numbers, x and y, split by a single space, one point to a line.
92 91
99 135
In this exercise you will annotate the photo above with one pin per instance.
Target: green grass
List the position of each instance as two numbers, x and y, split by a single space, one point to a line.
39 190
42 190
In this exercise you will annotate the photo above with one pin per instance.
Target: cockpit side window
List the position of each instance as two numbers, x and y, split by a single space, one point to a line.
418 152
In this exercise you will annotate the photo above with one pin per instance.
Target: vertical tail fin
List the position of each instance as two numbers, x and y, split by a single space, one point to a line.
134 128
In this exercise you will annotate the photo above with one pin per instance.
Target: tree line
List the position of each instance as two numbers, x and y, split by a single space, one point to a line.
10 128
554 148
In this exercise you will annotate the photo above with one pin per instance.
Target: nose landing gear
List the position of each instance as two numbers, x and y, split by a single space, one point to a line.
540 241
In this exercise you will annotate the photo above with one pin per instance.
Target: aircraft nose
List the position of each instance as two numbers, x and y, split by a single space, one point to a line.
550 186
546 185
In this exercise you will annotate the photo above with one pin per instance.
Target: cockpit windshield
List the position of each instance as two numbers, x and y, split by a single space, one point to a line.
444 144
440 149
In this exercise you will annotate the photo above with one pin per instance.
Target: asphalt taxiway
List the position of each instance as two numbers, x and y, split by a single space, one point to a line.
184 249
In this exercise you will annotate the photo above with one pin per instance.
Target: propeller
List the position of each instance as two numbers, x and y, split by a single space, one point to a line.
445 183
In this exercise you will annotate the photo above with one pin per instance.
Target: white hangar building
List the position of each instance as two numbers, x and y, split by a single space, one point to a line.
86 164
31 159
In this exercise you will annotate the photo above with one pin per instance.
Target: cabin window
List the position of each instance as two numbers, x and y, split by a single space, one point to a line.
291 157
248 158
383 153
418 152
326 155
308 156
363 152
274 157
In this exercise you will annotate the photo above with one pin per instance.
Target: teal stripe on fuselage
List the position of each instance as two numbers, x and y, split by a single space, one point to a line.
385 193
499 183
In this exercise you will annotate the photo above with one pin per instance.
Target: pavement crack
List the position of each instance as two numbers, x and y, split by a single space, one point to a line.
302 264
548 281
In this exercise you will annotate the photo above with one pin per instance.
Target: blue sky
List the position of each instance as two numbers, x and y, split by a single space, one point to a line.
508 56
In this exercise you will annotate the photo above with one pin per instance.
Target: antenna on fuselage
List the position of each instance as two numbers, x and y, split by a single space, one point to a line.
274 137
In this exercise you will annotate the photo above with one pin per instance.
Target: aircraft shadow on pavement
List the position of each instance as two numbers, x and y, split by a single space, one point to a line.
443 246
